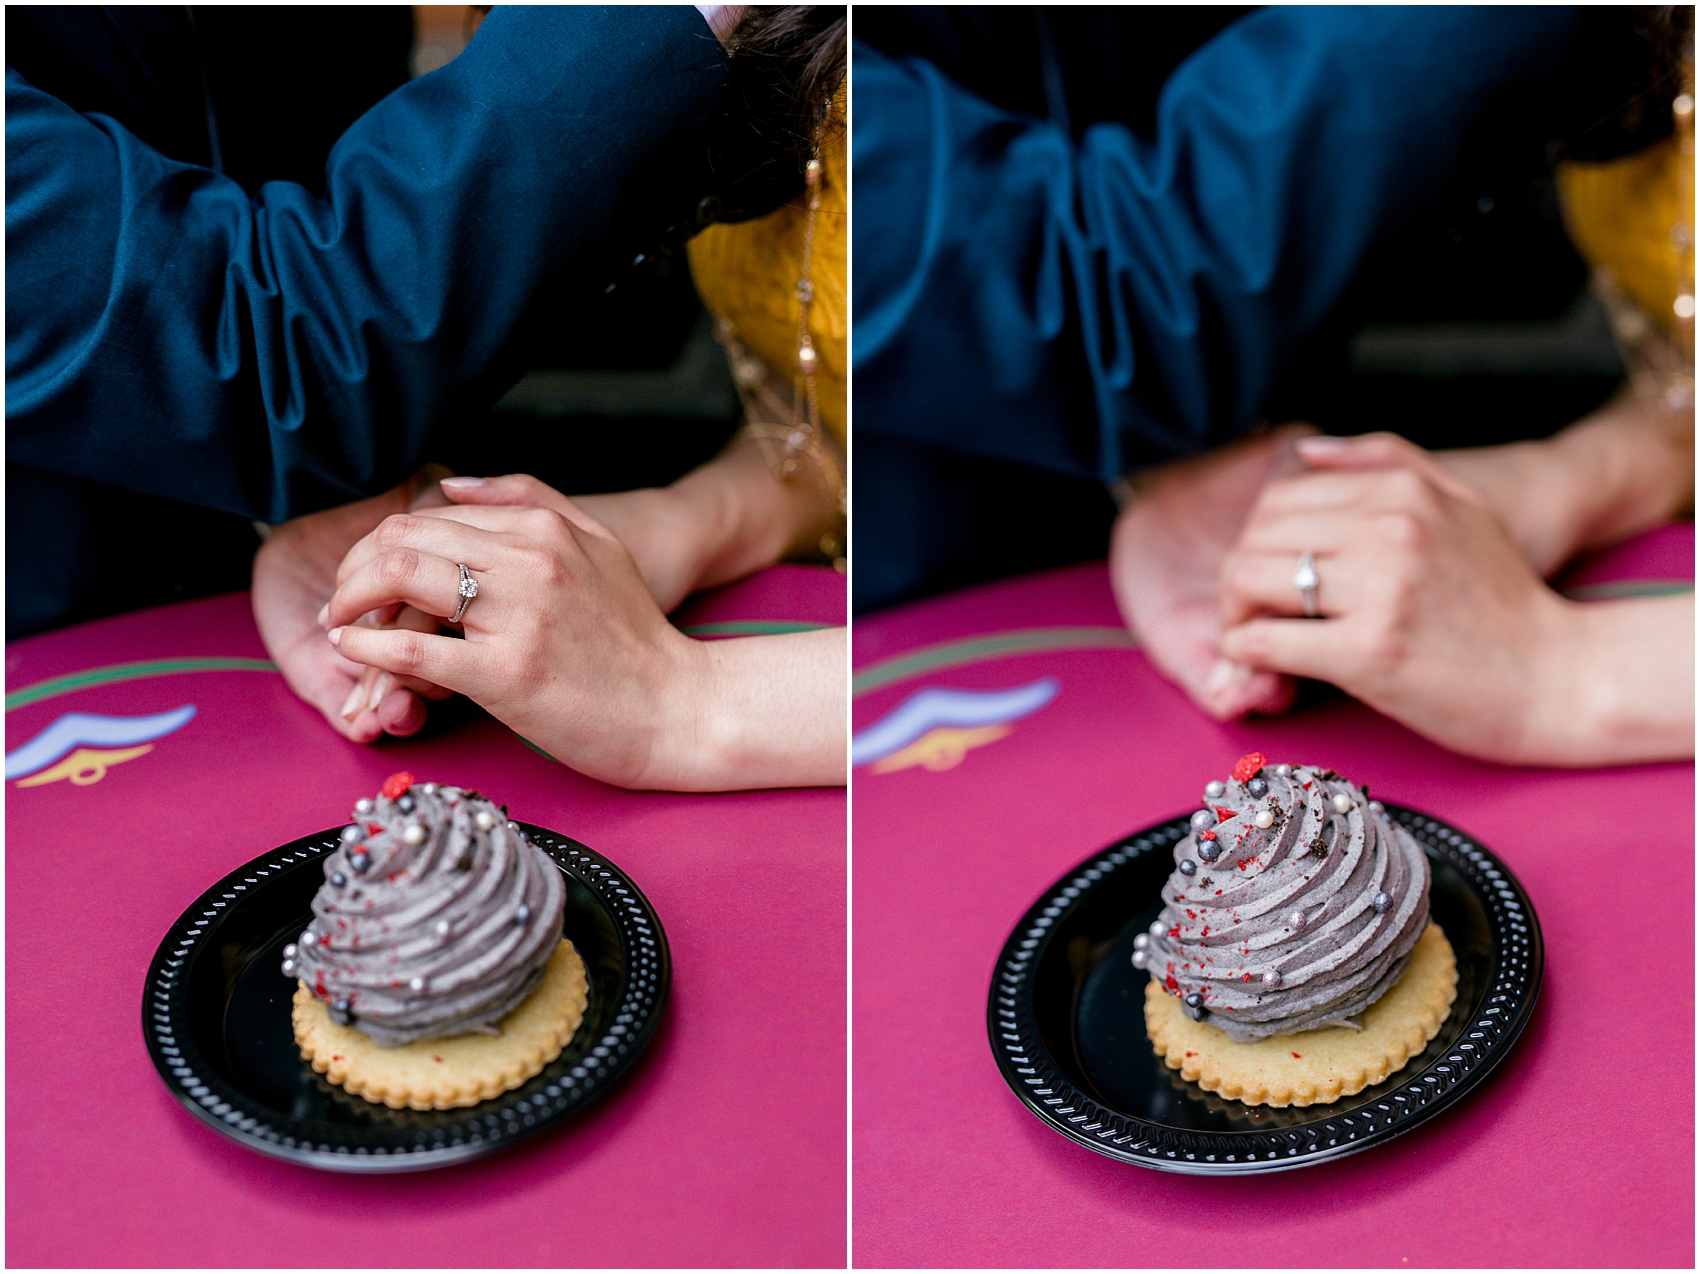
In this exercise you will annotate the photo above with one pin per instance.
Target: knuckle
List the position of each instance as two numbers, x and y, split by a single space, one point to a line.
398 567
394 530
409 651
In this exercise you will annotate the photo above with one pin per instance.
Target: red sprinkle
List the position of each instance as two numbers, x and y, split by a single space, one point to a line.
1246 768
396 785
1192 1054
1295 1054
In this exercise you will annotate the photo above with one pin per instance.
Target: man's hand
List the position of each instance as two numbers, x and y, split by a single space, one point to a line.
1166 553
295 575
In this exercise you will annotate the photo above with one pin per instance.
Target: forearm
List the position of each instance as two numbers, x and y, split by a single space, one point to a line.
1627 467
766 712
751 518
273 355
1620 690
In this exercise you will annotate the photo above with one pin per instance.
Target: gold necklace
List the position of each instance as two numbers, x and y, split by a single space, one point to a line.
785 445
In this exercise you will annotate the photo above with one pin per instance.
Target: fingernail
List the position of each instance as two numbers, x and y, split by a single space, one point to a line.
335 635
354 703
1220 675
1322 444
382 684
463 483
324 614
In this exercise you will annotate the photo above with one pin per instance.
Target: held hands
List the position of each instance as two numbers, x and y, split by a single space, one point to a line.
564 642
1429 612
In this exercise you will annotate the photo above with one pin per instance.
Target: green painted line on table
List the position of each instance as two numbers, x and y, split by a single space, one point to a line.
750 628
111 674
1612 590
973 650
528 743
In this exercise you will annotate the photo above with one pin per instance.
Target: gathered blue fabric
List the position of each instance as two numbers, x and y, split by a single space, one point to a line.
272 354
1091 307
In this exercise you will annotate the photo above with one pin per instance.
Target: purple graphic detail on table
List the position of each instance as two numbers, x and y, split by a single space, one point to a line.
935 727
114 739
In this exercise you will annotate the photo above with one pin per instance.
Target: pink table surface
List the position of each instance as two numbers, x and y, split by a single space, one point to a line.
726 1147
1577 1151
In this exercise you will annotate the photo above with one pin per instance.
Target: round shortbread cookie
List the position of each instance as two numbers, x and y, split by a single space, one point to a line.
1312 1067
462 1071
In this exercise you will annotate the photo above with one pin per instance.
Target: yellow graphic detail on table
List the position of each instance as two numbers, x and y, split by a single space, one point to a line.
940 749
86 765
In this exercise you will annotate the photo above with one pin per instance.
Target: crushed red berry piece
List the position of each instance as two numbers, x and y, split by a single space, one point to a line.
396 785
1223 814
1171 984
1294 1054
1246 768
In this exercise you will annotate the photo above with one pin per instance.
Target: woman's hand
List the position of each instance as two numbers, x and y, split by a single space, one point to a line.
563 642
1433 616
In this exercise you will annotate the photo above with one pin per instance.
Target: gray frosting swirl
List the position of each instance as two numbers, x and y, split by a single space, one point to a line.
1281 932
435 919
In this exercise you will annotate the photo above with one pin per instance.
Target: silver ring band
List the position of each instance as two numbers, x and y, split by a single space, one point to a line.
468 590
1305 580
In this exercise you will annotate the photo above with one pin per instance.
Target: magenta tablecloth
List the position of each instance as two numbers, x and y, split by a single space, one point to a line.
1578 1151
725 1148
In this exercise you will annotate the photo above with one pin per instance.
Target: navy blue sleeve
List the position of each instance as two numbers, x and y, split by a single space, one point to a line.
269 356
1096 306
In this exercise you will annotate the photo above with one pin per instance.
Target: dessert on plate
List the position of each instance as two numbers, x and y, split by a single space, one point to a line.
1294 961
433 974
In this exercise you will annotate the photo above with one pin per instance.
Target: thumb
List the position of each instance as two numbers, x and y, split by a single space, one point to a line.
1381 450
522 488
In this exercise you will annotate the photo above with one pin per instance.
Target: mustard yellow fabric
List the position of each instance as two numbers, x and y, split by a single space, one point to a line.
747 273
1635 217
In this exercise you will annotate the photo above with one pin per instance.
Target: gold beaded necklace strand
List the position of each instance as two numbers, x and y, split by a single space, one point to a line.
784 446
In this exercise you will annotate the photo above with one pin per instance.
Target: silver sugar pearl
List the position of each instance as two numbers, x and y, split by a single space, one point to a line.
1203 820
342 1005
1214 789
442 928
1295 920
1382 902
1263 818
414 835
289 968
522 913
1284 771
1209 850
1141 941
360 860
484 819
1378 807
430 789
513 826
1156 930
1342 803
1187 867
405 804
1194 1011
1272 978
289 951
353 834
338 879
308 937
1139 959
416 985
363 805
1257 788
1194 1000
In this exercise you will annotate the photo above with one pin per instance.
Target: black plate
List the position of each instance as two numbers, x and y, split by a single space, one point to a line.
1067 1023
216 1016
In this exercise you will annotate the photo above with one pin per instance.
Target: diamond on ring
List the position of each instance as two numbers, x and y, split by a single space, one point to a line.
468 590
1305 580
